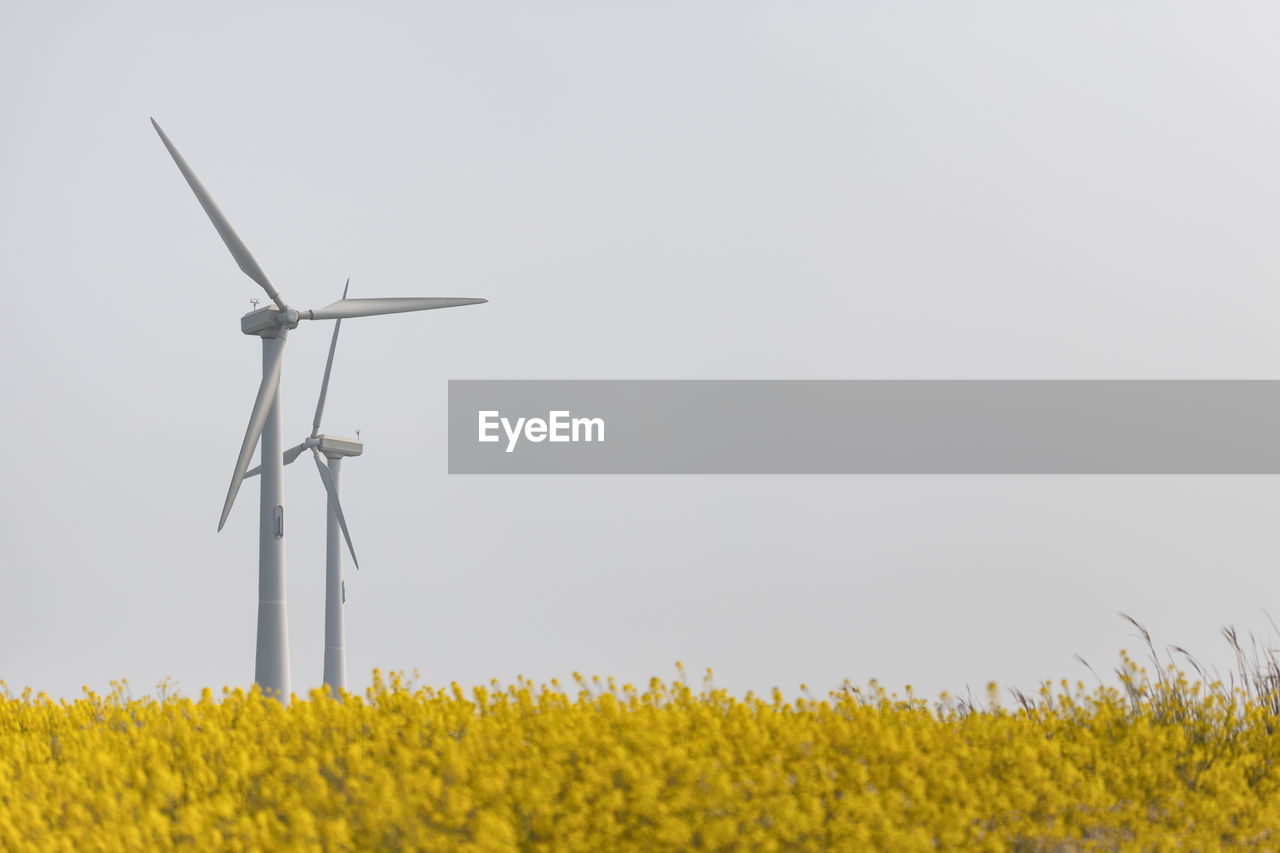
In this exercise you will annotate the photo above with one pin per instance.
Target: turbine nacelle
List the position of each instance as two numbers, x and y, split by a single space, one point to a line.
334 447
329 446
267 322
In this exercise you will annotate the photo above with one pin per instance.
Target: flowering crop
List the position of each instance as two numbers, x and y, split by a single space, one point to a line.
1147 766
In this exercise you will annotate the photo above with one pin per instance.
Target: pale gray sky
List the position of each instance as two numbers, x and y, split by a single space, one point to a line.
714 190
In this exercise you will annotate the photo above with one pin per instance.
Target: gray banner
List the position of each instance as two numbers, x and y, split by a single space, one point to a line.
864 427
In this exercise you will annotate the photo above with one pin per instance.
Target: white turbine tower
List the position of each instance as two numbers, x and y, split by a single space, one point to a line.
334 449
272 324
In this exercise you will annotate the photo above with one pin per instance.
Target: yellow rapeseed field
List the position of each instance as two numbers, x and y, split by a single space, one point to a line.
1153 764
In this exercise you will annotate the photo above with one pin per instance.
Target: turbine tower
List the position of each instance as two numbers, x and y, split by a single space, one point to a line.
334 449
273 324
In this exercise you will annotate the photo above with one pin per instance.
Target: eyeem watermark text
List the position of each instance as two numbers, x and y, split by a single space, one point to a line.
1015 427
558 426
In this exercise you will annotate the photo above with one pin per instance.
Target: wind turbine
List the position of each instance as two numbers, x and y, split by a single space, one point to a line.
272 324
334 449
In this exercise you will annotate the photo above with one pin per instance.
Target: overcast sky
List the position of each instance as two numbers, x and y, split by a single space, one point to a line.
659 190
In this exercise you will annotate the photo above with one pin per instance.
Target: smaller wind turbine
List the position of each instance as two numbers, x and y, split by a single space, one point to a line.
335 449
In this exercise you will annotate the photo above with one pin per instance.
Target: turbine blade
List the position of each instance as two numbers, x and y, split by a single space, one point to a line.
394 305
253 472
239 250
333 502
261 406
328 366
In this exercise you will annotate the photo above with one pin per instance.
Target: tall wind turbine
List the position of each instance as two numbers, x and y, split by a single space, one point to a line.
272 324
334 449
